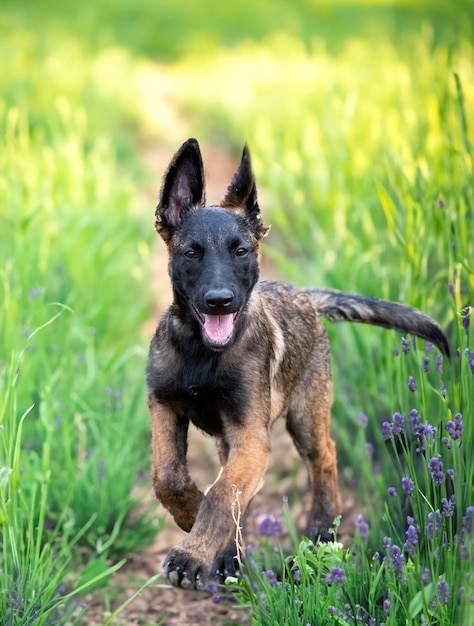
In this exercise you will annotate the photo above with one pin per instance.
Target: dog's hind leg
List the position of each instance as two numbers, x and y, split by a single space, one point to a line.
308 423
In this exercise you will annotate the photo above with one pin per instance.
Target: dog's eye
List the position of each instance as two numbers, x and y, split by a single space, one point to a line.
191 254
241 252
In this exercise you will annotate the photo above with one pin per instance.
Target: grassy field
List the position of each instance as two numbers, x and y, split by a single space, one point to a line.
360 118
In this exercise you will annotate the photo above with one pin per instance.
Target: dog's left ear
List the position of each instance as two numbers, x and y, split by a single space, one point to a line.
182 190
241 196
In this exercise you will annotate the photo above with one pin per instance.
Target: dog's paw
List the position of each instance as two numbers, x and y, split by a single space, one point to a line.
225 564
183 570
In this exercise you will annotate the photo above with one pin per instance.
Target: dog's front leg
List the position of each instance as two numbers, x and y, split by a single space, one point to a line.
173 485
189 564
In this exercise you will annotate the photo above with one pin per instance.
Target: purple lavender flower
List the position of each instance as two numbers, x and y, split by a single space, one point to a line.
411 384
466 320
471 361
387 543
451 289
468 519
434 525
412 539
395 351
363 420
34 293
440 203
297 575
392 492
426 364
271 577
436 468
425 576
451 472
442 388
405 345
386 430
398 424
338 575
387 605
448 506
408 485
397 559
362 527
429 347
439 363
369 449
270 527
455 428
443 592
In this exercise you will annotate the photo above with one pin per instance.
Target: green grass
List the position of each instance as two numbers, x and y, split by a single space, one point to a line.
361 140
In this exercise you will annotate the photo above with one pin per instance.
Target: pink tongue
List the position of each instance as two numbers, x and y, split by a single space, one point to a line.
218 328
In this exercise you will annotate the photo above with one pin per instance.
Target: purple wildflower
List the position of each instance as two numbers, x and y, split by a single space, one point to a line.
397 559
439 363
387 543
455 427
445 441
466 320
369 449
34 293
362 527
443 592
436 468
387 605
333 610
405 345
395 351
426 364
434 524
411 384
338 575
429 347
270 527
363 420
408 485
425 576
451 472
412 539
451 289
471 361
392 492
440 203
398 424
468 519
386 430
297 575
271 577
442 388
448 506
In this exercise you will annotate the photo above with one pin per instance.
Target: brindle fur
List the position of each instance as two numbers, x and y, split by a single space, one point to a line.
276 364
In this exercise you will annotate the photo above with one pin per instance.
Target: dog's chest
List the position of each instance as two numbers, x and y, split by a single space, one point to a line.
203 393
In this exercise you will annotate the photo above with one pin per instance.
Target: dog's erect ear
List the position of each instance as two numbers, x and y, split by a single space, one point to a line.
241 196
182 190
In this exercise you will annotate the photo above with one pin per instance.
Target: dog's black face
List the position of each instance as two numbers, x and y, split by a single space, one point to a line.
213 250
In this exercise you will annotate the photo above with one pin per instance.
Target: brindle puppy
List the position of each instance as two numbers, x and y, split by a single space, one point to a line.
232 355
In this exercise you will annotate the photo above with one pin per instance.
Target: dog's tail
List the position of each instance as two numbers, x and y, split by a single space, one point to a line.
337 306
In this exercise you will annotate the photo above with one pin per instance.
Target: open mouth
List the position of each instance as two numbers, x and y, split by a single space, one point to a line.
217 329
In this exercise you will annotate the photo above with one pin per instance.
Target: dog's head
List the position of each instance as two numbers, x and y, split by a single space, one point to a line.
213 250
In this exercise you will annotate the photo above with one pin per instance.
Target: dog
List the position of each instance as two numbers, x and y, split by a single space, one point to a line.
231 355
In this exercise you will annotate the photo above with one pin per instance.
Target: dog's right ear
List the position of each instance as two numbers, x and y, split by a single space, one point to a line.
182 189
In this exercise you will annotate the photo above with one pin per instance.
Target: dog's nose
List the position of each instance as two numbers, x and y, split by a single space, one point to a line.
219 300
